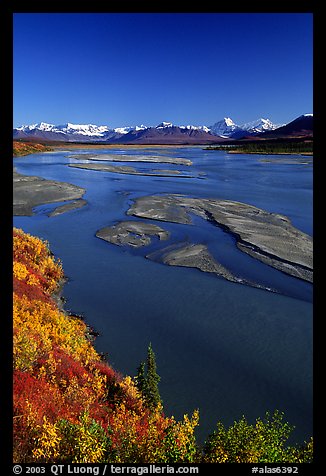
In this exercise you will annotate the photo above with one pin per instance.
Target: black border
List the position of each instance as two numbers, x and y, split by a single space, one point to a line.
6 32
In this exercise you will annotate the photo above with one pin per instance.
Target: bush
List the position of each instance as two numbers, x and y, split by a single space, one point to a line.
263 442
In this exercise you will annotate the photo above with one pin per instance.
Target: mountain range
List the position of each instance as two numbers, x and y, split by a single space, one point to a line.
165 132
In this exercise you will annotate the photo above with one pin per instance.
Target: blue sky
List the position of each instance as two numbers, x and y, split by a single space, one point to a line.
122 69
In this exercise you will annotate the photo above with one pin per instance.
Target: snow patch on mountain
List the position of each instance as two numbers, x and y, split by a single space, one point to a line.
163 125
125 130
83 129
41 126
224 128
259 125
196 128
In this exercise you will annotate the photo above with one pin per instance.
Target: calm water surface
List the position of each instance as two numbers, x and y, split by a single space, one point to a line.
225 348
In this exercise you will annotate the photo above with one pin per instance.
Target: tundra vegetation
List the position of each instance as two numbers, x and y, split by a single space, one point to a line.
71 406
26 148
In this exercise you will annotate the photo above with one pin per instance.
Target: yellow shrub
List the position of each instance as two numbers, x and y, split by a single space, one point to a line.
49 326
20 271
47 442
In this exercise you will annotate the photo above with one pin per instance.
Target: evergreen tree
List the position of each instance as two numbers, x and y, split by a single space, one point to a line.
141 377
147 380
152 394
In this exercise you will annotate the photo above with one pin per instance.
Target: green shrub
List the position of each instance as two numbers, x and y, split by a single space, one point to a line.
263 442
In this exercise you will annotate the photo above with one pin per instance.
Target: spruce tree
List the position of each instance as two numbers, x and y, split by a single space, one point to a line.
152 379
147 381
141 377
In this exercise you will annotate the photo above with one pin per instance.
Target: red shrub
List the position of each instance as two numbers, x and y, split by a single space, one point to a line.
34 398
104 369
32 292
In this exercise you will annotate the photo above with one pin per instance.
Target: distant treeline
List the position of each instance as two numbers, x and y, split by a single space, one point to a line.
267 147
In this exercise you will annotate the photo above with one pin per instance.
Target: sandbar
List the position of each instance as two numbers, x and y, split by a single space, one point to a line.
268 237
192 256
67 207
132 233
30 191
133 158
125 169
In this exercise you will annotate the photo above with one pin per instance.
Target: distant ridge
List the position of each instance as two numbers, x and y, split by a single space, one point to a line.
165 132
169 134
302 126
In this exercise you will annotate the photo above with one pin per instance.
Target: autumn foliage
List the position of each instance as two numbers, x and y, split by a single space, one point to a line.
25 148
72 406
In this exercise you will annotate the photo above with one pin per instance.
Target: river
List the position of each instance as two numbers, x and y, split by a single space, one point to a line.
228 349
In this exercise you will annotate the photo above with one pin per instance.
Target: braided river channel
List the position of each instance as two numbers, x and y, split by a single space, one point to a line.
227 348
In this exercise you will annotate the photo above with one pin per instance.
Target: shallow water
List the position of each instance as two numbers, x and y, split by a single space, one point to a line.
225 348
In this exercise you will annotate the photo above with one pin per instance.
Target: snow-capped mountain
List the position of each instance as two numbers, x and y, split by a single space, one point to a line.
84 129
72 132
164 125
168 133
224 128
228 128
260 125
62 132
165 132
302 126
